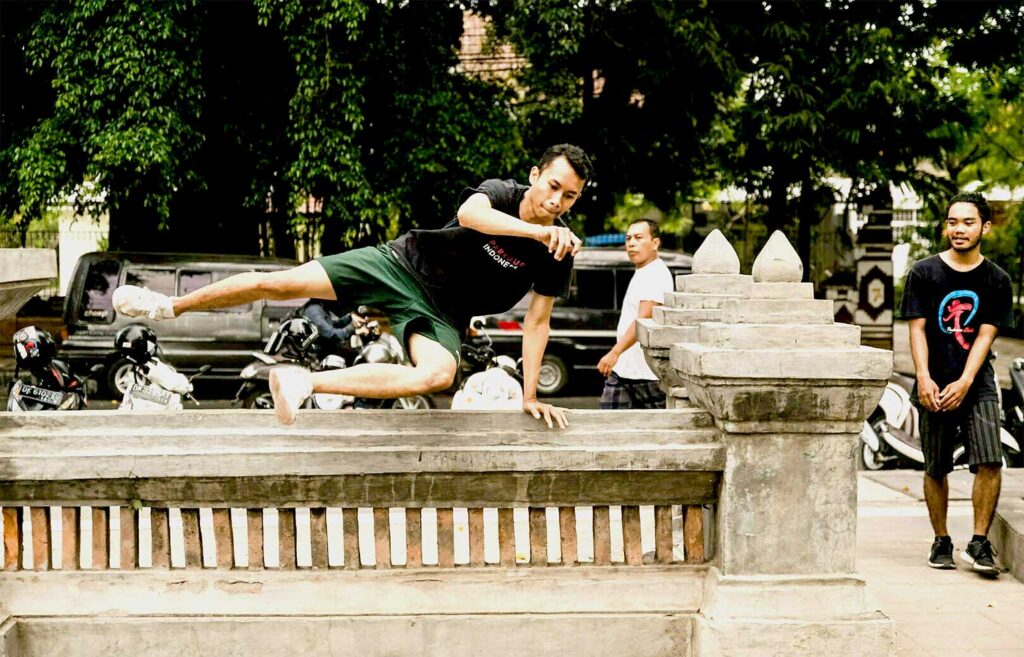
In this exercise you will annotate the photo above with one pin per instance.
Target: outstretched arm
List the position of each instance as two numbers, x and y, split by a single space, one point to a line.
476 213
535 338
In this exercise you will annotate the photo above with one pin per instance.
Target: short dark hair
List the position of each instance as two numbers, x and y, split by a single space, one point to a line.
576 157
975 199
652 225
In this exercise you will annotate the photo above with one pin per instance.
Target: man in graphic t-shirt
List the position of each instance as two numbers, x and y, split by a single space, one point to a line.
955 303
629 382
506 240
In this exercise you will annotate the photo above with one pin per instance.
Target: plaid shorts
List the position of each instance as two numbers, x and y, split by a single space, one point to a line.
620 392
976 426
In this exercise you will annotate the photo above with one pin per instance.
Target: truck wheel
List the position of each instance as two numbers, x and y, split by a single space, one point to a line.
554 375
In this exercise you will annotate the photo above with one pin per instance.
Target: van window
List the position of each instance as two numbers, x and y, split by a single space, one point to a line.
192 280
157 280
592 288
100 281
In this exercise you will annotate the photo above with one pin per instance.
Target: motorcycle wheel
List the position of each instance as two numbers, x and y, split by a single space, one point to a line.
119 377
414 403
869 458
259 399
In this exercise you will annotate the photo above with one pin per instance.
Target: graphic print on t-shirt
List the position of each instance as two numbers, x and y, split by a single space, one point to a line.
951 315
504 259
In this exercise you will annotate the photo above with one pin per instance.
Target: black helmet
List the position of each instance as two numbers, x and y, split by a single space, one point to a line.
295 336
137 343
34 348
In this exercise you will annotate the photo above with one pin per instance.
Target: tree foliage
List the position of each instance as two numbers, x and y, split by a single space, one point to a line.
364 108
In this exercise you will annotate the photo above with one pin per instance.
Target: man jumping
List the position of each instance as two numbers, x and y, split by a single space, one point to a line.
506 240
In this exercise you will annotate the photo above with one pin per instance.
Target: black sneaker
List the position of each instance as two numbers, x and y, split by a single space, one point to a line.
981 556
942 554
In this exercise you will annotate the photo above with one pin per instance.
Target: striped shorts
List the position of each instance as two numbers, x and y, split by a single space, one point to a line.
976 426
620 392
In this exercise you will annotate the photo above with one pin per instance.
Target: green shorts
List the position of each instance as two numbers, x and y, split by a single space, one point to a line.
373 277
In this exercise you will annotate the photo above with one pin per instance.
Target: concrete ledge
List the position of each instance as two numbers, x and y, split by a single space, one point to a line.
527 635
685 316
1007 535
869 635
651 334
674 589
696 300
737 284
862 363
778 311
777 336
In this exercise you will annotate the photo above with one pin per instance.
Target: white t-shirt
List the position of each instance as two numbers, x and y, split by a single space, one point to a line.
649 283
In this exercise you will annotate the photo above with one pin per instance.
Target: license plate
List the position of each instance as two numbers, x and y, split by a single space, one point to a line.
42 395
152 394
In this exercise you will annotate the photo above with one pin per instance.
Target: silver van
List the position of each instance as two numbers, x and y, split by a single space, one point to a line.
223 339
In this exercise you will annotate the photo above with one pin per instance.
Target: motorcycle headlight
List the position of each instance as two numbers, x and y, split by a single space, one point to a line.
248 371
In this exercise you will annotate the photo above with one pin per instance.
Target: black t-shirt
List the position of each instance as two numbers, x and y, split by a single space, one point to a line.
468 273
955 304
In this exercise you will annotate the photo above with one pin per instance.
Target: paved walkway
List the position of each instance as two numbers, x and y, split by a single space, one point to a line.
938 613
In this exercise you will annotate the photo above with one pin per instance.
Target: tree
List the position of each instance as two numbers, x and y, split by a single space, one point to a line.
640 85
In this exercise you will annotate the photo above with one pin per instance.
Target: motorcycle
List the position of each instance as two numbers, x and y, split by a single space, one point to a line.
494 383
1013 405
152 384
50 384
890 436
297 342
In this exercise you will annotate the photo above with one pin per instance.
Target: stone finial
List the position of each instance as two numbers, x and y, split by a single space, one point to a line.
777 262
716 256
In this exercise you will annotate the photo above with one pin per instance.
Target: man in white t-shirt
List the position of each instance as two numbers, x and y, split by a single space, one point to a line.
629 382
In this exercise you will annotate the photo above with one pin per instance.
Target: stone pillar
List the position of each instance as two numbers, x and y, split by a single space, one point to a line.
23 272
715 278
789 389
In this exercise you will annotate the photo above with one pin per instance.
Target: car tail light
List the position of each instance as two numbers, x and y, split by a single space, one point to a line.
509 325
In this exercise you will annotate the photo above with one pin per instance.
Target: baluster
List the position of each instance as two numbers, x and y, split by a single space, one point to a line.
286 539
223 538
538 537
129 539
350 522
71 540
161 538
693 534
631 541
602 536
100 538
40 537
318 537
382 537
476 537
567 535
190 538
413 538
254 520
445 538
663 534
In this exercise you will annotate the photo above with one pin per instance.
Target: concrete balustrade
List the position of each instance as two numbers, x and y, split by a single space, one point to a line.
726 526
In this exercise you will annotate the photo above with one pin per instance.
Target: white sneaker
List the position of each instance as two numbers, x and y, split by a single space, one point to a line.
142 302
289 386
